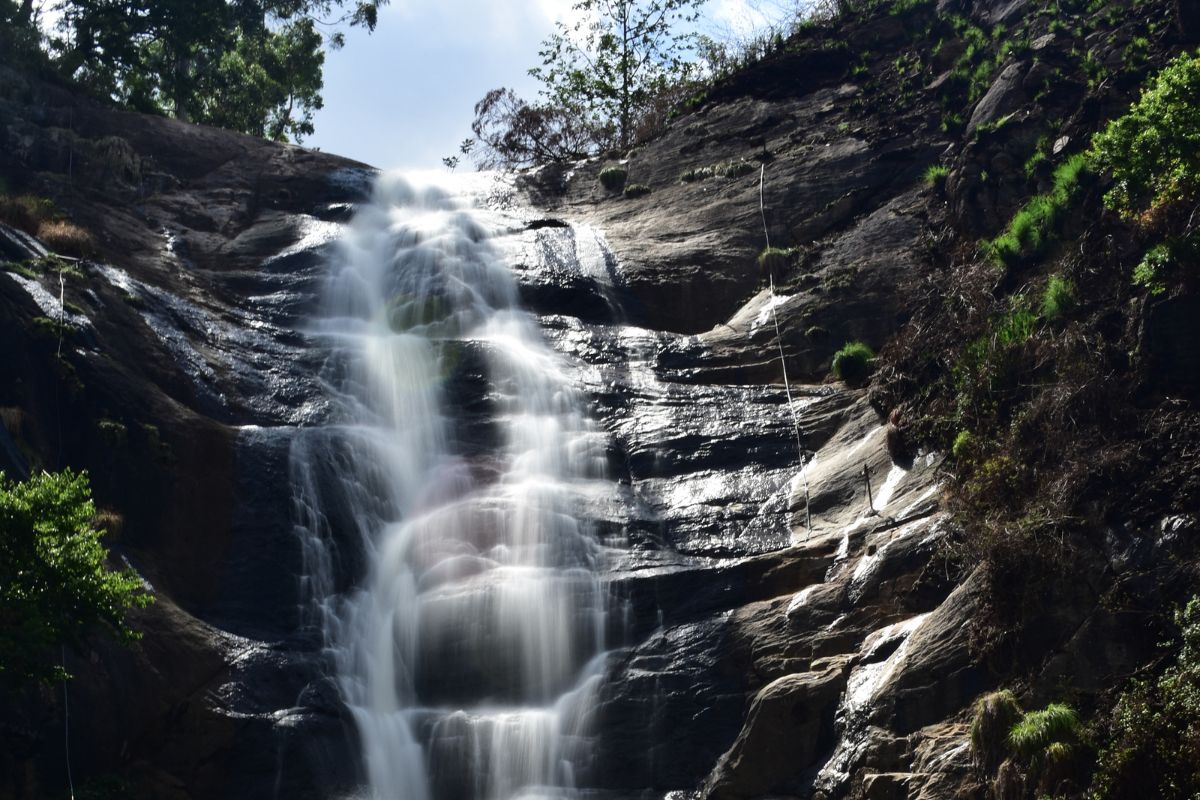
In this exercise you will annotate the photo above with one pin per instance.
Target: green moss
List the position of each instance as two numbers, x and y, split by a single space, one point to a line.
636 190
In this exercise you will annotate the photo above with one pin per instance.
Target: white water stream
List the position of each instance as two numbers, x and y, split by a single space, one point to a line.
470 647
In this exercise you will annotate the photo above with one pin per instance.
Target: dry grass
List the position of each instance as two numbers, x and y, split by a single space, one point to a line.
66 238
26 212
109 522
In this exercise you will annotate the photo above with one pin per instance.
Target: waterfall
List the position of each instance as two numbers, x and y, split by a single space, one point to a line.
454 581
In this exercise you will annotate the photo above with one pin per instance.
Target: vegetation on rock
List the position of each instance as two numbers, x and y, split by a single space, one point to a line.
852 363
54 583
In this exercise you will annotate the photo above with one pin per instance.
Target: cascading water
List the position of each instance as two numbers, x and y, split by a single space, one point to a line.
470 643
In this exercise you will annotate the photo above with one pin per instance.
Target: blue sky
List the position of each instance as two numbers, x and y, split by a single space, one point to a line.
402 98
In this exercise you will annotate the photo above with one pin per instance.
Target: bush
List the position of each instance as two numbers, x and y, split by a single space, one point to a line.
935 176
54 583
1151 272
964 445
637 190
613 178
1153 742
995 715
26 212
734 169
1037 731
697 174
66 238
1034 226
1153 151
852 363
1058 297
773 260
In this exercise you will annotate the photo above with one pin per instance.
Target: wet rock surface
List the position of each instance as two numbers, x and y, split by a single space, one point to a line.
774 630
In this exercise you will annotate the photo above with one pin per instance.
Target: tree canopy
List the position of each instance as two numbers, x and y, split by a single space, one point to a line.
249 65
616 58
602 76
54 583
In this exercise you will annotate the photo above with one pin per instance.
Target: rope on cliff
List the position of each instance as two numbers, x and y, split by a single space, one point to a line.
787 386
67 725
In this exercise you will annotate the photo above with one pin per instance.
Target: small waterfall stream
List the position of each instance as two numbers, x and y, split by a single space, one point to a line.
468 640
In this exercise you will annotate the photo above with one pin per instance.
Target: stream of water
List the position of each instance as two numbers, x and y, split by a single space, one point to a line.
469 647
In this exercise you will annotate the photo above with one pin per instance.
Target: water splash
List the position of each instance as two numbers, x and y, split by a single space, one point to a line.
468 636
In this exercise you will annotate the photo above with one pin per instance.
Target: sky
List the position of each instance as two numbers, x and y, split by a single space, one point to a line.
403 97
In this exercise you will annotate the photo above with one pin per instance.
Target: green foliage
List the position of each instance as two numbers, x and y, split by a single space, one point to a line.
773 260
853 362
254 65
1153 151
1034 226
964 445
613 178
1153 743
697 174
734 169
1037 731
935 175
1151 272
994 716
637 190
54 584
616 60
1057 298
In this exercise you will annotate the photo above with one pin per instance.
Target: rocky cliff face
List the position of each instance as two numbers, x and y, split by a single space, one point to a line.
784 634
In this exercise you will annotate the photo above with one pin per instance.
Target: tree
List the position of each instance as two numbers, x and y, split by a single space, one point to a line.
54 583
251 65
612 62
510 132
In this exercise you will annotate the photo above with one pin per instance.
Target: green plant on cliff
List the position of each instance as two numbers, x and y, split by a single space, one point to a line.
1152 746
852 363
1034 226
54 583
1153 151
613 178
616 59
253 65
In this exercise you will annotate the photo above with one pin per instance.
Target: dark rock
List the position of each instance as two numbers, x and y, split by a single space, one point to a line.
789 724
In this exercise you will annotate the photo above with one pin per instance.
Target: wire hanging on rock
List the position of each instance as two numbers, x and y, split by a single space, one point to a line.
787 386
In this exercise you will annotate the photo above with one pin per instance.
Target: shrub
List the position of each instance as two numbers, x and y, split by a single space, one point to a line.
1152 271
1033 227
964 445
637 190
26 212
772 260
1058 297
1153 746
66 238
613 178
734 169
697 174
935 176
54 583
1034 734
852 363
1153 151
995 714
